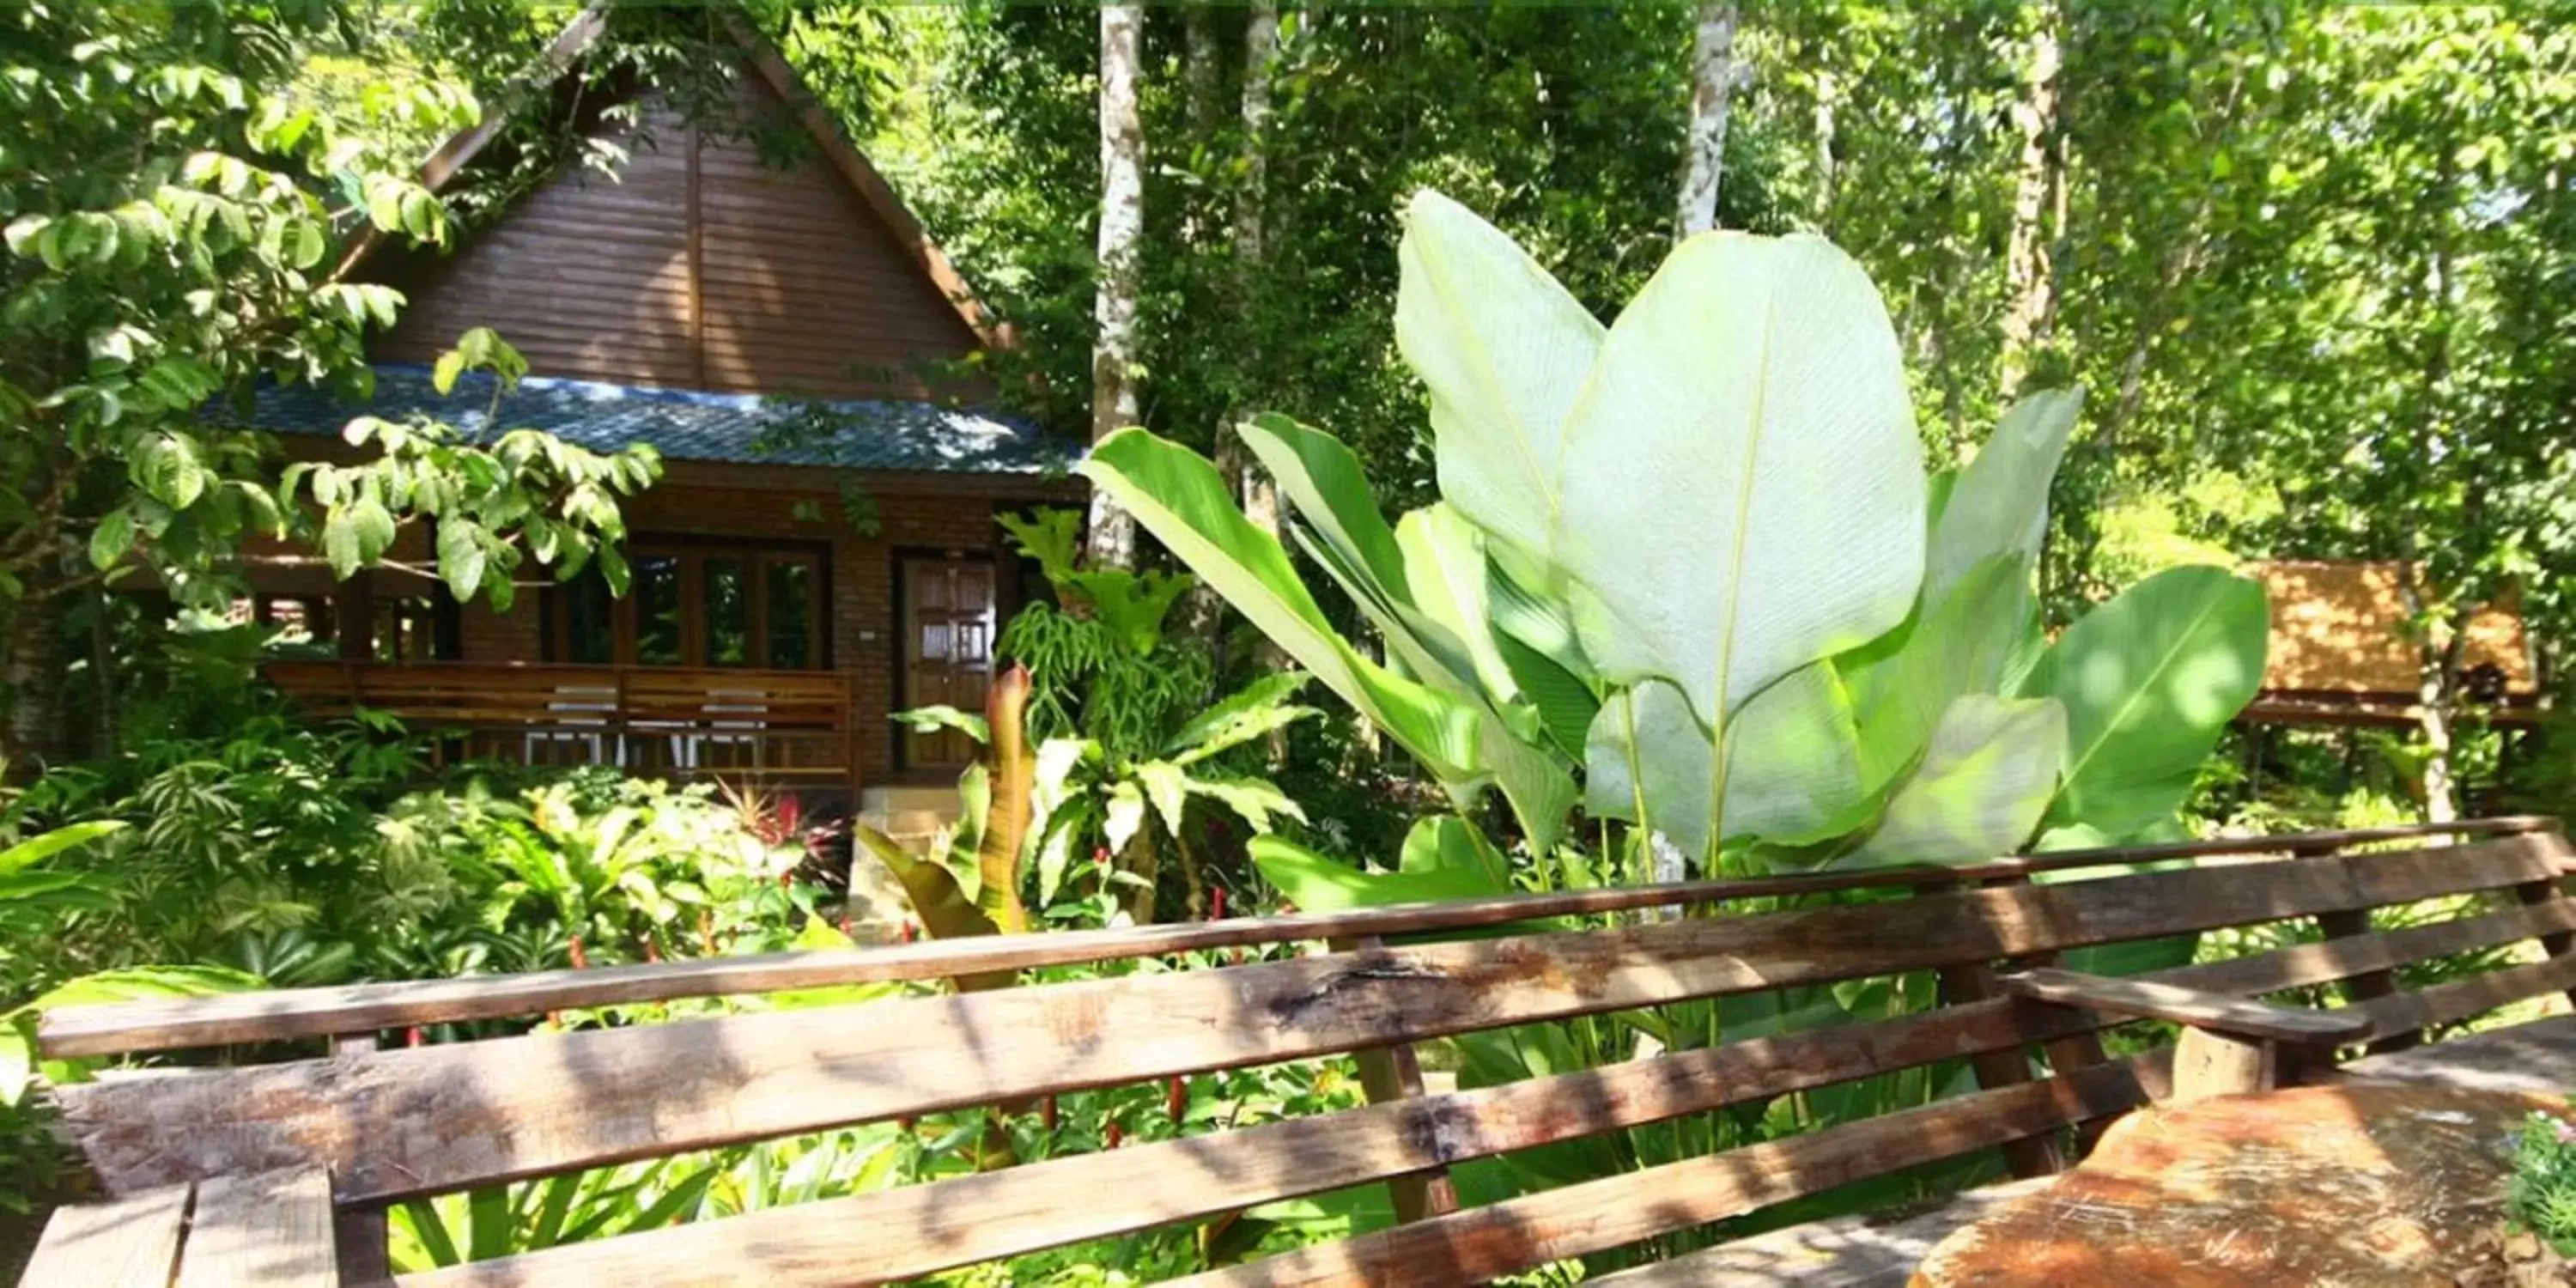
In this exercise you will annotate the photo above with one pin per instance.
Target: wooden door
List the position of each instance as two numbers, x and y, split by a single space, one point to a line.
948 627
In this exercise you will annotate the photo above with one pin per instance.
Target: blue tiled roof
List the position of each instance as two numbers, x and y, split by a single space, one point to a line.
693 426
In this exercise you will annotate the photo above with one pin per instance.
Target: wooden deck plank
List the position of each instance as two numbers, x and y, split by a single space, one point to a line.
129 1243
320 1012
2538 1056
1871 1250
271 1230
441 1118
1498 1239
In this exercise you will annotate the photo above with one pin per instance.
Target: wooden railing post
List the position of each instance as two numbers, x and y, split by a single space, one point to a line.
2543 891
1391 1073
360 1234
2367 986
1975 982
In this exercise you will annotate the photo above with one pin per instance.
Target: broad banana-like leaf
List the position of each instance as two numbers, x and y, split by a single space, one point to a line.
2149 682
1743 487
1445 567
1329 489
1317 882
1503 348
1448 841
1179 498
1999 506
944 910
1423 584
1792 773
1535 785
1984 782
1959 645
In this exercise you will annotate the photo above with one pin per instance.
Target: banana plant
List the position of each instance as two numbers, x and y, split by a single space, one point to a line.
1688 571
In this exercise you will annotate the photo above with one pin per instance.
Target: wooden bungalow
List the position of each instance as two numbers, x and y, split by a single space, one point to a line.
822 549
2340 653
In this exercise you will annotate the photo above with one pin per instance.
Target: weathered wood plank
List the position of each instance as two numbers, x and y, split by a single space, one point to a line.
442 1118
1482 1243
2464 999
2145 1000
1864 1250
273 1230
2004 1067
319 1012
916 1231
919 1230
130 1243
2538 1058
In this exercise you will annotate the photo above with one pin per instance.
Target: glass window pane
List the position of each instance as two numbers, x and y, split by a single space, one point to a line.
590 620
791 614
728 611
656 589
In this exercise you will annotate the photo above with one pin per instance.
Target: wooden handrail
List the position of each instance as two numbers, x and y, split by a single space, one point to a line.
320 1012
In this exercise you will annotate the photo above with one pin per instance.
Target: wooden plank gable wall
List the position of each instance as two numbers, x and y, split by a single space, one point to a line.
696 266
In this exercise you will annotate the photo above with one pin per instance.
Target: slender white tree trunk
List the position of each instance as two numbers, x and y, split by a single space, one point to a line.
1713 77
1122 228
2030 279
1825 91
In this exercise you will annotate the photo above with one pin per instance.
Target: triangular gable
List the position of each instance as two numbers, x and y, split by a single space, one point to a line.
701 267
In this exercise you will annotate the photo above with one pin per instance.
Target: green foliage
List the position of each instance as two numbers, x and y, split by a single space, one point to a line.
1789 697
2541 1196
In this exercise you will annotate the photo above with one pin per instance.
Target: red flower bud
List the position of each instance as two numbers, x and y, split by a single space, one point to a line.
1216 904
1047 1114
411 1036
1115 1134
1176 1098
580 957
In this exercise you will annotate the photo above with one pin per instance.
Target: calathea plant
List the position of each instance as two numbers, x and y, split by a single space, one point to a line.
1688 571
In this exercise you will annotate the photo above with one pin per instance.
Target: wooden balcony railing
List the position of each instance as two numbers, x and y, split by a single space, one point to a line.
787 727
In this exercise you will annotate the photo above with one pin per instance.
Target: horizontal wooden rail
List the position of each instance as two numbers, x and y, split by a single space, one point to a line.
321 1012
682 722
918 1230
448 1117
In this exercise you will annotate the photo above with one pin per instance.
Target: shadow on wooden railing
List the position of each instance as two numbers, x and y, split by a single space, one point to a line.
784 727
136 1027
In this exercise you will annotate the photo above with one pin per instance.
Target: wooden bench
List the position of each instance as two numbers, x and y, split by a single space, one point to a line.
282 1173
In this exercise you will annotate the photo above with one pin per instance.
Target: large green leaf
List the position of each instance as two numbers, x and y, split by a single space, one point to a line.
1179 497
1792 773
1317 882
1504 349
1999 505
1985 780
1743 487
1445 567
1901 684
2149 682
45 845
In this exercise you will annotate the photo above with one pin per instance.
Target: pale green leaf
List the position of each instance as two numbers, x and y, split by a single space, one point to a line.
112 538
45 845
1985 780
1743 487
1167 788
1504 349
1999 504
1253 800
1123 816
2149 681
1315 882
1901 683
1793 772
461 557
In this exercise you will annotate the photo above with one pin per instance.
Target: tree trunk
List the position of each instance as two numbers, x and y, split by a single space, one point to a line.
1122 227
2030 278
1713 73
1825 90
36 734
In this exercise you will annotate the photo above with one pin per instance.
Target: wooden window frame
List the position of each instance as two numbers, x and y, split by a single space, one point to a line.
692 555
